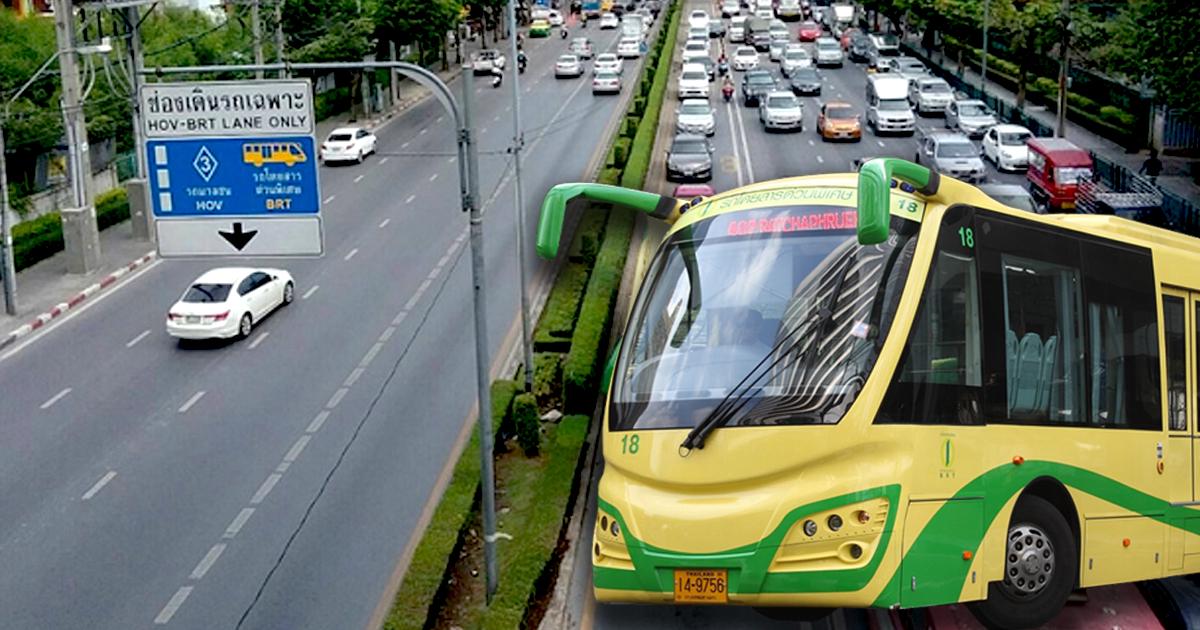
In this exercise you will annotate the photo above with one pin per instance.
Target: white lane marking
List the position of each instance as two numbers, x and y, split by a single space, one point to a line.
529 88
108 476
297 448
132 342
383 160
433 177
310 292
168 611
508 108
191 401
267 486
336 398
238 522
383 223
745 145
424 130
351 254
410 199
820 160
370 356
207 561
404 146
358 179
881 143
387 333
57 397
445 259
330 198
317 422
439 119
399 318
259 339
355 374
283 467
483 131
496 118
811 143
451 160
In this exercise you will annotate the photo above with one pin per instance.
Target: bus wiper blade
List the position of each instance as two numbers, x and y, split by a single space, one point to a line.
735 400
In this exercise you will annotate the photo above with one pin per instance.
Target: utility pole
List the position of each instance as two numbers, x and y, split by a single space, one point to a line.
80 234
517 146
256 31
136 189
983 68
1064 61
9 269
279 36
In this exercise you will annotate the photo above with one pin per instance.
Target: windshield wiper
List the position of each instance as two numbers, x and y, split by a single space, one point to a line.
735 400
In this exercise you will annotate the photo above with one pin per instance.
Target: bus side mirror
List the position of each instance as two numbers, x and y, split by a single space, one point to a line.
875 193
554 208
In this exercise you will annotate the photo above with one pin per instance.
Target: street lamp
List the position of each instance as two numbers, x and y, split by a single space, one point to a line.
8 268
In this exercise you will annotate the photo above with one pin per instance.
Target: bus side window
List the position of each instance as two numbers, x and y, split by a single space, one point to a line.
1122 326
1175 333
940 374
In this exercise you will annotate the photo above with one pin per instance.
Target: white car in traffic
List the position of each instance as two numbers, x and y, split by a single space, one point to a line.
629 48
606 82
607 62
609 20
228 301
698 19
1005 145
348 144
567 66
745 58
693 81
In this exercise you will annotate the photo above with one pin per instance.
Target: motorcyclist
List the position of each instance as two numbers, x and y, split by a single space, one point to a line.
727 89
722 65
497 77
521 60
563 32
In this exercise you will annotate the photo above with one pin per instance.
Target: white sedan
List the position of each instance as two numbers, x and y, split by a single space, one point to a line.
609 20
607 61
606 82
348 144
629 48
745 58
226 302
567 66
1005 146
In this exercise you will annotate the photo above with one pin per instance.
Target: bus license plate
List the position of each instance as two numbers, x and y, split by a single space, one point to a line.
702 586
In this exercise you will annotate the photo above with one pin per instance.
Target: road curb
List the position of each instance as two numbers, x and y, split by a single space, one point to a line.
63 307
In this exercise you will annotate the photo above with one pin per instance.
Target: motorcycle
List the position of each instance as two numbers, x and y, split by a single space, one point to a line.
521 65
727 92
723 68
563 32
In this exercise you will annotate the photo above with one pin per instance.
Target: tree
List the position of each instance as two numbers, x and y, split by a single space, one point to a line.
1156 40
423 23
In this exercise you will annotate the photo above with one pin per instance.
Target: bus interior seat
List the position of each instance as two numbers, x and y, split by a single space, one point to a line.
1046 384
1028 374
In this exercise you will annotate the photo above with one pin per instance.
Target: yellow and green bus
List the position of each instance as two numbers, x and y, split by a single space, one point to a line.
885 389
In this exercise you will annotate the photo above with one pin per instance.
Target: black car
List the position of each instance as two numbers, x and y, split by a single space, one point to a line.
761 40
806 82
860 48
689 158
716 28
756 83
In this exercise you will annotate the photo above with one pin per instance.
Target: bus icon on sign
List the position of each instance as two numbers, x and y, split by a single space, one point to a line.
259 153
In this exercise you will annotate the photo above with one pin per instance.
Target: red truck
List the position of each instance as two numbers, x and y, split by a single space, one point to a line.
1056 167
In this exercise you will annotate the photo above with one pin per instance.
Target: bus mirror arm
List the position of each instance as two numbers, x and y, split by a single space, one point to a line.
554 208
875 190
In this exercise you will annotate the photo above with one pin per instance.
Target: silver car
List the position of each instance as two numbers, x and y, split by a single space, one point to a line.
607 61
568 66
794 59
781 110
969 116
952 154
778 46
829 52
930 95
695 116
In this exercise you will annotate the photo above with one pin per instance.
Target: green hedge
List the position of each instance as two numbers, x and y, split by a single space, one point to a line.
332 102
588 235
544 491
41 238
553 332
525 418
112 208
643 143
581 365
621 152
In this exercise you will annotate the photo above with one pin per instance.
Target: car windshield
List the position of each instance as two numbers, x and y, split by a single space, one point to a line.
829 46
609 58
760 79
568 59
782 102
1071 174
689 46
935 86
694 75
694 109
747 52
727 292
204 292
956 150
893 105
340 137
805 74
606 75
839 113
889 40
912 66
808 26
1020 200
689 147
1014 138
971 109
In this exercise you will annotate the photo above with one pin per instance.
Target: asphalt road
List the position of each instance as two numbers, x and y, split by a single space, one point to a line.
745 153
275 482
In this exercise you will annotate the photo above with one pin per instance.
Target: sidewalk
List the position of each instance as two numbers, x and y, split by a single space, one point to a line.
45 291
1176 176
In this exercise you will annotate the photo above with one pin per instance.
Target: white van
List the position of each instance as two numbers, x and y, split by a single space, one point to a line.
632 25
888 110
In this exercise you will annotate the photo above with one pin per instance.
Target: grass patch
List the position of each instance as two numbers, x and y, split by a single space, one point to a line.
553 333
424 576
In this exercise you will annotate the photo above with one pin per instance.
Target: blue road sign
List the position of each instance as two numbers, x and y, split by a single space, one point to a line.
222 177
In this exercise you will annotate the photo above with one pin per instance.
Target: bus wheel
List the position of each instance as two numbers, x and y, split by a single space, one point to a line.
1040 565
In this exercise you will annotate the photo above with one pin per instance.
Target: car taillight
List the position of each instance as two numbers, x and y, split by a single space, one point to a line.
220 317
173 316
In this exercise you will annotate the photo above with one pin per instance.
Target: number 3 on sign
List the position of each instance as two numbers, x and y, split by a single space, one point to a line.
629 444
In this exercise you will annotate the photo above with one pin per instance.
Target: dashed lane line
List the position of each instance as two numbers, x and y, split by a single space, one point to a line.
96 487
296 449
383 160
433 177
168 611
55 398
330 199
133 342
336 398
191 401
238 522
383 223
259 339
358 179
410 199
352 253
309 293
267 486
207 561
317 422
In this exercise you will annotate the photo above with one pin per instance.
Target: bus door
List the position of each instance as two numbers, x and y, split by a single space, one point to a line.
1181 311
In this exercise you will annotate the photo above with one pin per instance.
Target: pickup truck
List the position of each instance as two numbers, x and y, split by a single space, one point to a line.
484 61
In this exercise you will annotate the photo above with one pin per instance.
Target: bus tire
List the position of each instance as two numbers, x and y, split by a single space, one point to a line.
1041 562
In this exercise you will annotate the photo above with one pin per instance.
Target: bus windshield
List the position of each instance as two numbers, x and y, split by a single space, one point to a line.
783 294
